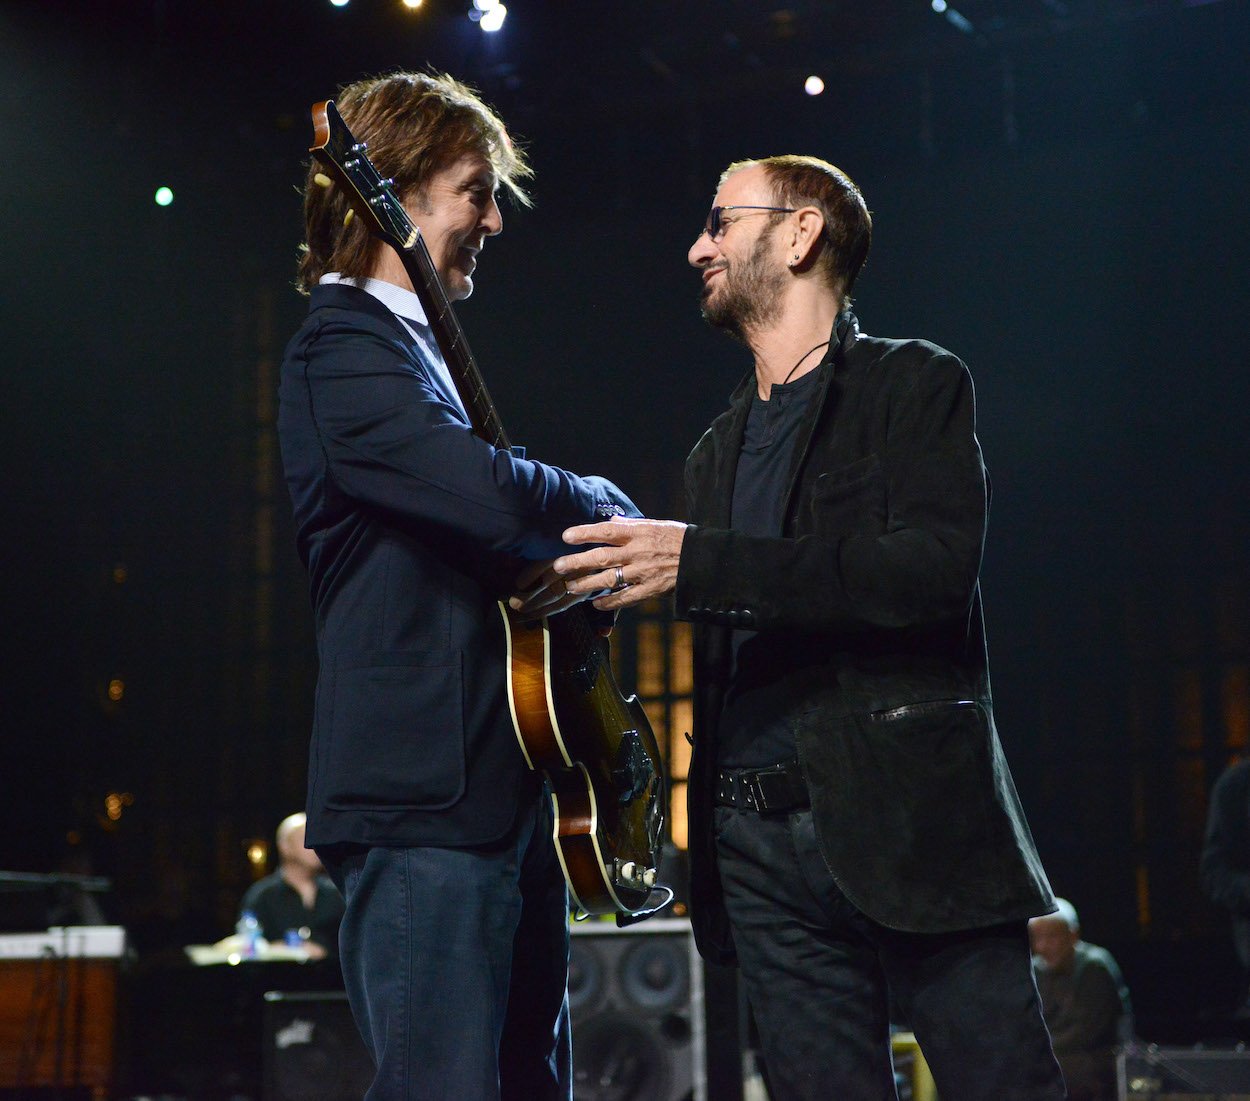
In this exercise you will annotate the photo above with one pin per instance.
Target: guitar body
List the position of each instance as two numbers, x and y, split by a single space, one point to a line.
599 754
596 747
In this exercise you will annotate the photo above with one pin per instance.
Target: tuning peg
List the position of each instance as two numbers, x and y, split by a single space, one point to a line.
322 180
347 220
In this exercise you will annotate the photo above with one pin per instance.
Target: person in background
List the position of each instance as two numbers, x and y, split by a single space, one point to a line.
1225 865
298 897
1084 1001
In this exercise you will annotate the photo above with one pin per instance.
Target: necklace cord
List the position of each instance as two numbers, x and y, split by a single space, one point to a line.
822 344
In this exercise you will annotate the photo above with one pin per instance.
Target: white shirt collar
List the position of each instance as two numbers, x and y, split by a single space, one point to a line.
403 303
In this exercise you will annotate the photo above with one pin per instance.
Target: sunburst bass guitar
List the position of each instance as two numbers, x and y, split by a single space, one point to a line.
595 746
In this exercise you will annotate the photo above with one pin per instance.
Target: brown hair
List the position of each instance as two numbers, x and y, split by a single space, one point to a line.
414 124
808 181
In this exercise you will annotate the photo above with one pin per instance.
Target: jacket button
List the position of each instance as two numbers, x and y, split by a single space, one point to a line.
732 616
747 617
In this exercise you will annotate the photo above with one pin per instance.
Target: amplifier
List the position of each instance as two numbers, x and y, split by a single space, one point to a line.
312 1049
1153 1073
636 998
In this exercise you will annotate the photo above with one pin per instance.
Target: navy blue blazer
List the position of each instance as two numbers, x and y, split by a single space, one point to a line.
411 529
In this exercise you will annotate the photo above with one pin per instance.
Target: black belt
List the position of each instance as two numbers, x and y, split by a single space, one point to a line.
771 790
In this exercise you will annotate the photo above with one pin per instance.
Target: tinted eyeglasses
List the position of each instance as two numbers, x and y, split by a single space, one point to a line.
716 223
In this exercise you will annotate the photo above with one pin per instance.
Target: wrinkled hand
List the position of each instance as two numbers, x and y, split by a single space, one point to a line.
543 592
647 553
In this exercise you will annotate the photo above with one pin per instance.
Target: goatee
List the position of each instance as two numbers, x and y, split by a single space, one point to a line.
750 295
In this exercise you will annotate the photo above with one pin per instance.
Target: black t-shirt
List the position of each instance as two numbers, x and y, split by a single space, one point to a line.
278 907
754 731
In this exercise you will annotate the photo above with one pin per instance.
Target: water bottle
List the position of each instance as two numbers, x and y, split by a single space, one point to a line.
248 931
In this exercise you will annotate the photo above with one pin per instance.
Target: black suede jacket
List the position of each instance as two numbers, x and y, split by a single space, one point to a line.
872 594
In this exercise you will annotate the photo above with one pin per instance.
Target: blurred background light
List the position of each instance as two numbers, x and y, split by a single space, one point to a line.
164 196
493 17
813 85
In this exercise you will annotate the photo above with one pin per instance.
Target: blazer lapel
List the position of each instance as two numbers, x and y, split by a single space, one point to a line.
720 500
845 332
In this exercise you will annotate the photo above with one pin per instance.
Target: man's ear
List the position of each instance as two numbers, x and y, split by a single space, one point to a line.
806 237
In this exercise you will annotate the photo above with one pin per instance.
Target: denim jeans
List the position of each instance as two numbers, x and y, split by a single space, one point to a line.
821 977
456 966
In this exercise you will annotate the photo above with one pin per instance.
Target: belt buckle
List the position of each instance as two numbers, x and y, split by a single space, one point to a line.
754 790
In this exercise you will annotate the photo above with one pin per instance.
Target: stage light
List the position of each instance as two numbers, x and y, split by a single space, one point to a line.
938 6
813 85
412 5
493 17
117 689
339 3
164 196
485 5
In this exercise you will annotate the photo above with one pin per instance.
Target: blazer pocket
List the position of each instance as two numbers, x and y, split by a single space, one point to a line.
913 785
395 739
850 499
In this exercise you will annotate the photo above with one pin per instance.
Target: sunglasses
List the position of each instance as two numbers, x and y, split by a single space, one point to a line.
716 223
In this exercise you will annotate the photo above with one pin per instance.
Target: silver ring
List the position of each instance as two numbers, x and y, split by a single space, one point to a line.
621 583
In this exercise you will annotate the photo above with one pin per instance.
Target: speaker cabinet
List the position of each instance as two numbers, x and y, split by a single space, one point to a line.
312 1049
1147 1072
636 997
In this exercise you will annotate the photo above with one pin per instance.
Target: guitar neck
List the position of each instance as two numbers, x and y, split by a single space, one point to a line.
453 344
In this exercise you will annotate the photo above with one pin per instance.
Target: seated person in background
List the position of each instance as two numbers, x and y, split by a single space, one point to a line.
298 896
1225 863
1084 1001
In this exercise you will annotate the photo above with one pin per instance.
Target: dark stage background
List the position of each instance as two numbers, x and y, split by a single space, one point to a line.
1060 198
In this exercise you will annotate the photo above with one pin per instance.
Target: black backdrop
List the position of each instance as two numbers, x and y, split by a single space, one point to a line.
1059 198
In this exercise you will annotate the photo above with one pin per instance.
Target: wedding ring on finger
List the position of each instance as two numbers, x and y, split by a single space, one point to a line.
621 583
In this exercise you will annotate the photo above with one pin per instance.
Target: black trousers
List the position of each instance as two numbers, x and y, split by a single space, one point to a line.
820 976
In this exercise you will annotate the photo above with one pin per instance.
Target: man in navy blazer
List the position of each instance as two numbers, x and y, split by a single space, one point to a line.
455 939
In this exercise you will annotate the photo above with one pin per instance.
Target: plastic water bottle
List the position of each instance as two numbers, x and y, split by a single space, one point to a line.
248 931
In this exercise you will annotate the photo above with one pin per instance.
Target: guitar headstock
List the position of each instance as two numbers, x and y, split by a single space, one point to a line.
346 161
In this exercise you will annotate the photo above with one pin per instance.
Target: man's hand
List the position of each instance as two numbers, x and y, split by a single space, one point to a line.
543 592
638 560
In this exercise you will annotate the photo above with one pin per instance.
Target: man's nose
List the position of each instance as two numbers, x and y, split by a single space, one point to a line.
492 219
702 252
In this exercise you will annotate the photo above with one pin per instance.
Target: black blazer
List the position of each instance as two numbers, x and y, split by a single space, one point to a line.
872 594
411 529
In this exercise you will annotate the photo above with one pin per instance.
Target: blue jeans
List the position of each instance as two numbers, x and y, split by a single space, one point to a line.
456 966
820 977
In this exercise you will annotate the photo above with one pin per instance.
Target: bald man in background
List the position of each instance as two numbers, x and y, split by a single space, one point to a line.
298 897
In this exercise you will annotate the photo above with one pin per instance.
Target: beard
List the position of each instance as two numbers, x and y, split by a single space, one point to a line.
749 297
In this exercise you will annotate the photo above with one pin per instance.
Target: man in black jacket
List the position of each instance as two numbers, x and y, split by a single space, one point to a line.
454 944
855 836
